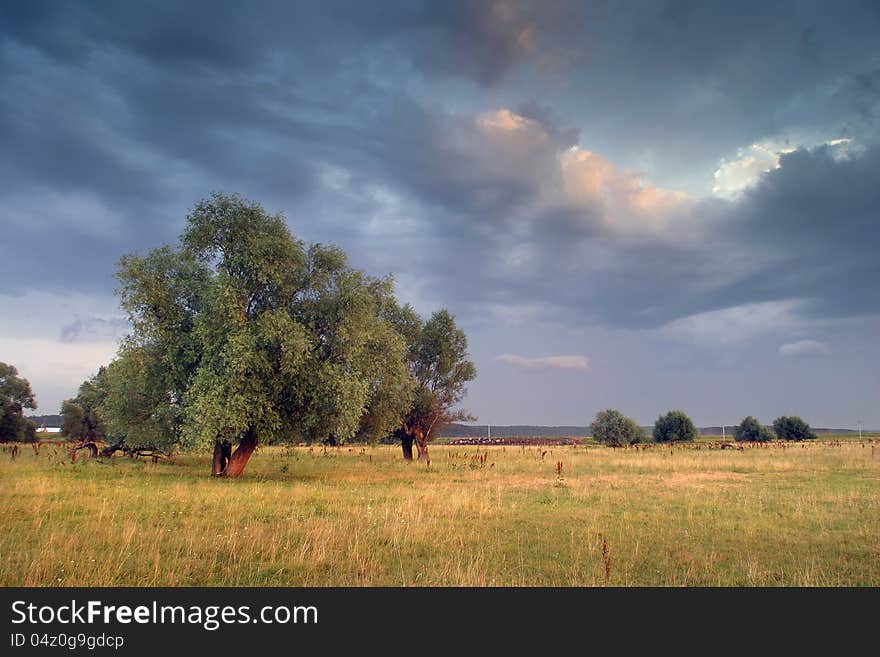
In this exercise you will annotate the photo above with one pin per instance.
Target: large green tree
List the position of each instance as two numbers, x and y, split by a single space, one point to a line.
15 396
147 385
244 334
440 369
357 368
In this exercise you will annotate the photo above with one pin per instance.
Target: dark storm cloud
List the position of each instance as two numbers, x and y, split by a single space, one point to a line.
94 329
561 133
136 111
449 161
513 161
116 118
817 218
478 39
691 80
808 232
482 40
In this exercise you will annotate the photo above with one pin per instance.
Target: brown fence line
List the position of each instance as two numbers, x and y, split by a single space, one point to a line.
539 441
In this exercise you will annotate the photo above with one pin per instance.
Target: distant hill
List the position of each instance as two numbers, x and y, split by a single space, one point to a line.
509 431
48 420
524 430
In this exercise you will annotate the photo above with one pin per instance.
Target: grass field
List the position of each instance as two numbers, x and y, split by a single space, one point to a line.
798 515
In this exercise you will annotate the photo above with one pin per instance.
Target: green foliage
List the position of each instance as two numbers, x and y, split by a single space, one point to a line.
71 418
440 367
750 430
359 380
244 329
137 408
614 429
13 424
673 427
163 293
82 418
15 396
792 428
29 433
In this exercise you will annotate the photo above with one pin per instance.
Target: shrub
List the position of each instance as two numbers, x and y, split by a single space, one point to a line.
792 428
82 417
15 396
29 434
674 426
750 430
614 429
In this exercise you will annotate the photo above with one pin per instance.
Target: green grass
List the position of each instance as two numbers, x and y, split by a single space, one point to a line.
802 515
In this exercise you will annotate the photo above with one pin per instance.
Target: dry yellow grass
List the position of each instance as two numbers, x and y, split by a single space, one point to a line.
802 515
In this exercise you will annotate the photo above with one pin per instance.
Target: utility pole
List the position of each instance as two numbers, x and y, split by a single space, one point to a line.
489 429
860 429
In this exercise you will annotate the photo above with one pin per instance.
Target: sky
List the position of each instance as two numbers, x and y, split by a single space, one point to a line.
634 205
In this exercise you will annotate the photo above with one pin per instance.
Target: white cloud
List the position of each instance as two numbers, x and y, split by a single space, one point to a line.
804 347
561 176
547 362
626 202
735 175
735 324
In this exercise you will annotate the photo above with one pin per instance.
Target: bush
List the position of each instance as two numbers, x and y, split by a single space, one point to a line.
614 429
29 434
82 417
750 430
674 426
792 428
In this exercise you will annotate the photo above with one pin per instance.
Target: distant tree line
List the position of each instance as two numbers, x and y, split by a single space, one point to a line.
245 335
614 429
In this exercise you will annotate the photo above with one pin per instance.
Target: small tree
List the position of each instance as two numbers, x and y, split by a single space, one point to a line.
792 428
15 396
440 368
750 430
614 429
136 404
81 417
673 427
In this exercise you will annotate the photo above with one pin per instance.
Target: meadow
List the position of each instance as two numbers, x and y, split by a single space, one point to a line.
692 515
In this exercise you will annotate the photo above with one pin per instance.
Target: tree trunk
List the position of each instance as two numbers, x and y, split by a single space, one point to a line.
222 454
406 442
110 450
422 444
241 454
